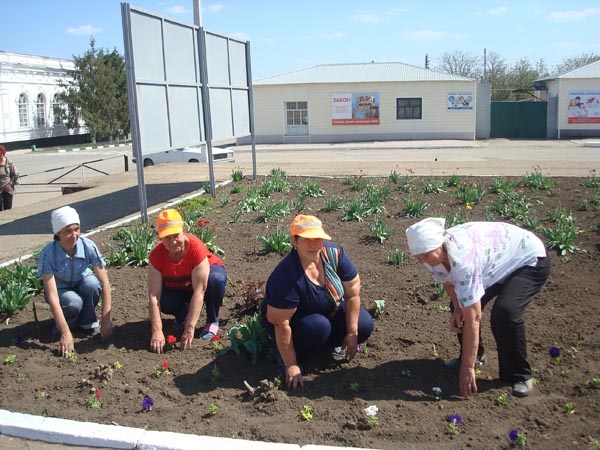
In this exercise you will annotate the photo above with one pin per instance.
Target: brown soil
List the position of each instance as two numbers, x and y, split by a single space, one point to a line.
397 374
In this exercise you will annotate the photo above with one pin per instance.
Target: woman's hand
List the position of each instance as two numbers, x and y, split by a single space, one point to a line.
66 345
351 344
467 381
293 377
157 342
187 337
106 330
456 321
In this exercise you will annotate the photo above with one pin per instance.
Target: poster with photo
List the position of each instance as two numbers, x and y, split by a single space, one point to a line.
357 108
460 100
584 107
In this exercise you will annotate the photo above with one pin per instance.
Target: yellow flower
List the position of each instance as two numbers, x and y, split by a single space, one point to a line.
469 207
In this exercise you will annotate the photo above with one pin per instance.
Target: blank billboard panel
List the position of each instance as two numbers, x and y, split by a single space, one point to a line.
217 60
185 108
147 47
180 54
220 113
241 116
237 64
154 120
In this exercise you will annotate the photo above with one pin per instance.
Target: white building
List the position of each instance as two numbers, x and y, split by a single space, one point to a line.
365 101
28 97
573 101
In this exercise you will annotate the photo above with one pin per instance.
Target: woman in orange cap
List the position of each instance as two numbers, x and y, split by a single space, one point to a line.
183 275
313 300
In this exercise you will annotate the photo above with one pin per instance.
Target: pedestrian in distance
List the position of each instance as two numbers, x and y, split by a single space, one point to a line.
9 178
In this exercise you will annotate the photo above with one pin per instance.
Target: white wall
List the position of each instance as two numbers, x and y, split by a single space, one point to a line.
30 75
438 122
576 84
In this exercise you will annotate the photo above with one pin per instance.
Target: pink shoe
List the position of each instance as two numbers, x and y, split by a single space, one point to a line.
209 331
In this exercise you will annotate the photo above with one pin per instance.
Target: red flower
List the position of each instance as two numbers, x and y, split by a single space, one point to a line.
97 393
203 222
215 338
171 339
165 365
41 389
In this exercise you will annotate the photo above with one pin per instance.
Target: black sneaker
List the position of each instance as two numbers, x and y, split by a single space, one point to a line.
455 362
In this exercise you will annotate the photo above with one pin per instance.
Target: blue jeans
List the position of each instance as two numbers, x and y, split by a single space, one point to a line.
79 303
177 302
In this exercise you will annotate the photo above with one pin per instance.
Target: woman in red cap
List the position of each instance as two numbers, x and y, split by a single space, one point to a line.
313 300
9 177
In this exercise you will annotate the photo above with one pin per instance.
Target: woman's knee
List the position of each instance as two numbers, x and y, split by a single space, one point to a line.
71 303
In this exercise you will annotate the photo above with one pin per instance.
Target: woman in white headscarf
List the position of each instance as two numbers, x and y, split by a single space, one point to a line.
477 262
71 288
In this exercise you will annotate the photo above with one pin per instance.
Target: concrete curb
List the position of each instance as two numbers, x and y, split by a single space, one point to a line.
71 432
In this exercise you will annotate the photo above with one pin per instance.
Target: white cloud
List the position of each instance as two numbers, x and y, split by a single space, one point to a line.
496 11
566 45
215 7
177 9
336 35
367 17
268 40
83 30
429 35
573 15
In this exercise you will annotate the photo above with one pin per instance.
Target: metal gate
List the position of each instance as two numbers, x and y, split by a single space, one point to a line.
519 120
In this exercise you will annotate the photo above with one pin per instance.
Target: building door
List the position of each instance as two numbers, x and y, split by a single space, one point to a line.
519 120
296 114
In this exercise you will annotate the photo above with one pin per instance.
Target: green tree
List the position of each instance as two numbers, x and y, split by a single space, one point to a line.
96 91
575 62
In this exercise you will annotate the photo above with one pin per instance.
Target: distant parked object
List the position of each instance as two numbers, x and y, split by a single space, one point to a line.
188 154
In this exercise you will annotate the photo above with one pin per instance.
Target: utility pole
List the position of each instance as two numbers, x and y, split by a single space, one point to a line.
426 61
484 65
197 13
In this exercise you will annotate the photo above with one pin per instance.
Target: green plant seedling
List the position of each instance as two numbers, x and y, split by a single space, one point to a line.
306 414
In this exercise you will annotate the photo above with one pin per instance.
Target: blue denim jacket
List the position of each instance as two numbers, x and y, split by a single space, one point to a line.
68 271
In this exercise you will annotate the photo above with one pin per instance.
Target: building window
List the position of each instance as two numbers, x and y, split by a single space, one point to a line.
409 108
40 110
58 110
23 111
296 113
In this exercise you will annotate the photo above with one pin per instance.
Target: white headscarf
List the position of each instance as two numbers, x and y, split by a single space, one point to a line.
63 217
426 235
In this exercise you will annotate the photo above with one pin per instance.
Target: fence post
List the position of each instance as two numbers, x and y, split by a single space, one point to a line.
126 160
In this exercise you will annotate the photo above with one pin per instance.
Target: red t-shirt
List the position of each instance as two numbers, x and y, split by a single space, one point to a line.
179 275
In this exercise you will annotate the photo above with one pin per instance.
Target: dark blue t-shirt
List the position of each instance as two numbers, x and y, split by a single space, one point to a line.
288 287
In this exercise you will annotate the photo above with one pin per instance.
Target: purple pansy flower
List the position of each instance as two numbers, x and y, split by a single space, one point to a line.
147 403
513 435
455 419
20 340
554 352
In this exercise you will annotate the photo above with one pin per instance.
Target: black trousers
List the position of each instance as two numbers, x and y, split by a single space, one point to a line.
512 297
7 200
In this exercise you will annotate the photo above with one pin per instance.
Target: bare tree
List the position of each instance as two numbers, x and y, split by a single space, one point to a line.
575 62
460 63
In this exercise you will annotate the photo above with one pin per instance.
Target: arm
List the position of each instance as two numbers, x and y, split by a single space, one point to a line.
157 341
102 275
471 323
352 297
280 318
456 318
199 283
66 345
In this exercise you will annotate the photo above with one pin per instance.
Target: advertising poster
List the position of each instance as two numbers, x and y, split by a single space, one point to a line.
357 108
584 107
460 100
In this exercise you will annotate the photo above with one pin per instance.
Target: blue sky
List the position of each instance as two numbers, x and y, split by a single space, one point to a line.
289 35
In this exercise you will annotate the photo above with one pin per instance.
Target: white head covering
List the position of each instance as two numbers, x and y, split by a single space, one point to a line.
426 235
63 217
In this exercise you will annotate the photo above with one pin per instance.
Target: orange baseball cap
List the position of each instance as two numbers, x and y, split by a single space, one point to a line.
308 227
169 222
